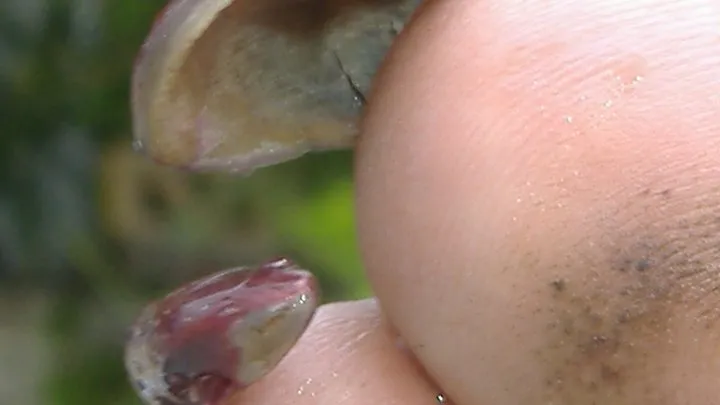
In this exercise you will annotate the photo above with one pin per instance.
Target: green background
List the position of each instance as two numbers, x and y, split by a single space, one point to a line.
90 231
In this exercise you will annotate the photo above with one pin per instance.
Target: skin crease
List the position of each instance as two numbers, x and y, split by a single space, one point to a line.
538 185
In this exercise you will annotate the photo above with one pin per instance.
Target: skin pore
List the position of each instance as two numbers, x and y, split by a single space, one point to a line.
538 189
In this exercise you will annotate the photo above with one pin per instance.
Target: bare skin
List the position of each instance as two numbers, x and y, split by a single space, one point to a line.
538 187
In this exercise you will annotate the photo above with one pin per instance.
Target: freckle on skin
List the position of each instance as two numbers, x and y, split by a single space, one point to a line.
623 326
559 285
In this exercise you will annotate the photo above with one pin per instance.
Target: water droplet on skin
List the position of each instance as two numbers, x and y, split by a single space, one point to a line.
304 386
629 72
212 337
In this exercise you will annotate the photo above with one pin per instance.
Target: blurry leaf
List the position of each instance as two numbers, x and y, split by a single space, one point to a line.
91 378
323 229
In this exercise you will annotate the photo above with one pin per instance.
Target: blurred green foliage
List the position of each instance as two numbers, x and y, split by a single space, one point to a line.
98 231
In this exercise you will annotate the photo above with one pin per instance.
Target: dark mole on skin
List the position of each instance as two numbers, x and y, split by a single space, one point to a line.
558 285
612 330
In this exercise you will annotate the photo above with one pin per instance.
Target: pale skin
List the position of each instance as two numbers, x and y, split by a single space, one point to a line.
537 199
